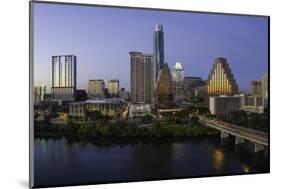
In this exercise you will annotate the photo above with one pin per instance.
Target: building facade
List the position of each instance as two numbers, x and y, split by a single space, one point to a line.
165 88
39 93
107 106
142 78
158 48
113 87
256 88
190 84
178 81
222 105
63 77
221 81
265 86
96 88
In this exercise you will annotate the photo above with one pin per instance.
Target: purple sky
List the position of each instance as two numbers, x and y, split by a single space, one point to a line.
102 38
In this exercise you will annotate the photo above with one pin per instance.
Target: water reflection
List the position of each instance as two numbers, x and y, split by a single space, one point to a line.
218 159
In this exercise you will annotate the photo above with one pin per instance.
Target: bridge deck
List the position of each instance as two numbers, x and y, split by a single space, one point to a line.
249 134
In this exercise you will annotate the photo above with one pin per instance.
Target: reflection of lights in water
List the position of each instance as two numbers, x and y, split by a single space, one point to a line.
246 168
43 143
218 159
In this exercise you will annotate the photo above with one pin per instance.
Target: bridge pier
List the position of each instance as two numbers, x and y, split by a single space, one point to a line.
239 140
258 147
224 134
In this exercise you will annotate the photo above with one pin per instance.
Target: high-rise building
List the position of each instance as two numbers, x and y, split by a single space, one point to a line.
142 78
264 86
158 48
63 77
221 80
113 87
256 88
178 78
96 88
39 92
165 88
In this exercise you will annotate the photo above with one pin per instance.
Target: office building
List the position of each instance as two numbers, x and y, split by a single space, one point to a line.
81 95
252 103
96 88
256 88
222 105
165 88
178 81
63 77
39 93
158 48
221 81
113 87
142 78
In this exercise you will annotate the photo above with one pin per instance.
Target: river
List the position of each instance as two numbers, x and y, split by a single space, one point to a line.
58 162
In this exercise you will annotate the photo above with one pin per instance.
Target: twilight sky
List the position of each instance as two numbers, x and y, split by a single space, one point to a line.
102 38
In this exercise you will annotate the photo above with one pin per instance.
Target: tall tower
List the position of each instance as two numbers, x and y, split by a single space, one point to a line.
158 48
63 77
221 80
178 78
142 78
165 88
96 88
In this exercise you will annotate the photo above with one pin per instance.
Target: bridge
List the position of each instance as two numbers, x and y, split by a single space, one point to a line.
260 139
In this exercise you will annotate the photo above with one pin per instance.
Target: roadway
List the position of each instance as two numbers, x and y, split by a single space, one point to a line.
235 130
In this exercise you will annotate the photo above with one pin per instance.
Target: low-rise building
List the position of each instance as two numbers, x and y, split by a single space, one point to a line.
139 110
108 106
221 105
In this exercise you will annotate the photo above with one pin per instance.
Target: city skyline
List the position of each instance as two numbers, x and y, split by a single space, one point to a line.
187 42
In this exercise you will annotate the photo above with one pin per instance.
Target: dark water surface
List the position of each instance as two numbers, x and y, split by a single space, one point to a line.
58 162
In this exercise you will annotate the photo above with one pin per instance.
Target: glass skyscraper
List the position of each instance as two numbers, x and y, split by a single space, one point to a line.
63 77
158 48
178 78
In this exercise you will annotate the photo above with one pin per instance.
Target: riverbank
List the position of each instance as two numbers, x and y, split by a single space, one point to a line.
120 131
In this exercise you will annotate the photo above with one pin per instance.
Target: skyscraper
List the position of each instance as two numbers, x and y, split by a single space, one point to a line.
113 87
96 88
63 77
165 88
142 78
178 78
158 48
221 80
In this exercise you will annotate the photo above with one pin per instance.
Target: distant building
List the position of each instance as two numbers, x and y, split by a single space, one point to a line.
252 103
201 95
139 110
123 94
222 105
178 81
39 92
142 78
265 86
256 88
190 84
96 88
107 106
165 89
81 95
221 80
113 87
158 49
63 77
